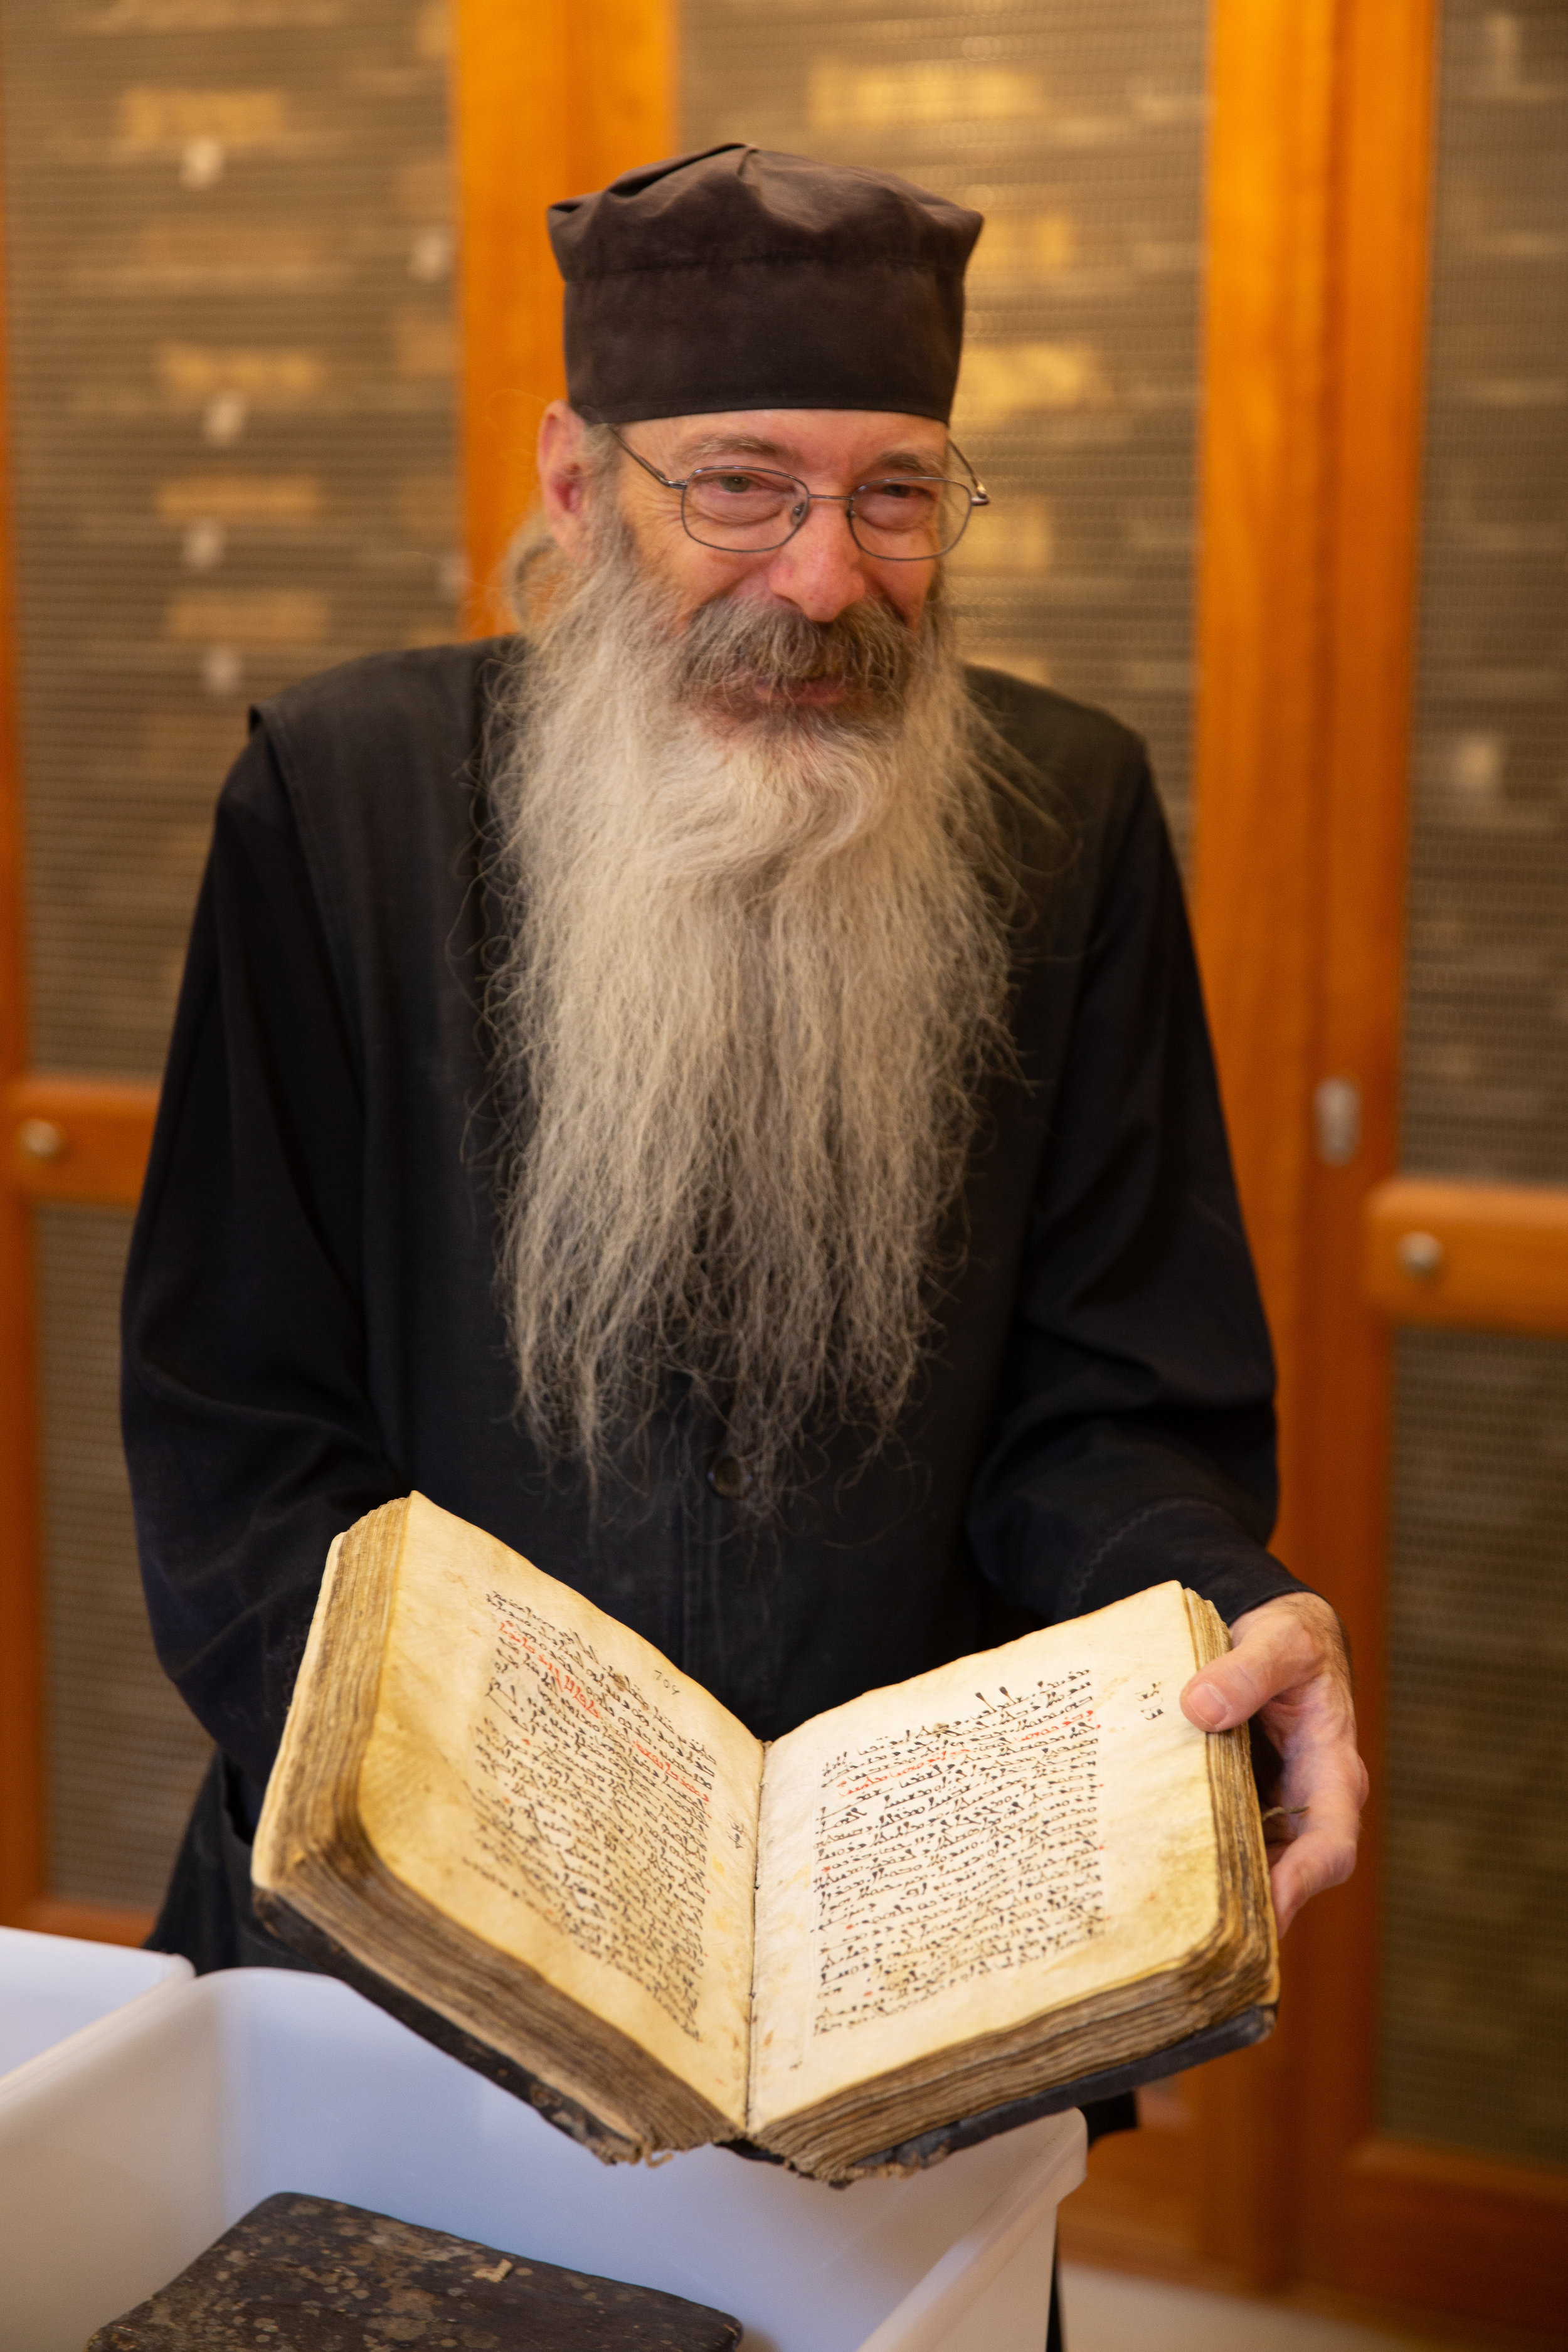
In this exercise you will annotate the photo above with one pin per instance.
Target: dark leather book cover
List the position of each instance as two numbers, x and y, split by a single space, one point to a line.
297 2268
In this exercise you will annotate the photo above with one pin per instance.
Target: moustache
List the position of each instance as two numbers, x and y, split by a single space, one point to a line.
747 662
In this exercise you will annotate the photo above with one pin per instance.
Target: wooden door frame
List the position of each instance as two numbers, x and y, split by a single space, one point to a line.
550 98
1258 769
21 1635
1315 376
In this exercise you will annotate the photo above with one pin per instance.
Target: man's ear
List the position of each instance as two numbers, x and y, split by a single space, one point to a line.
564 478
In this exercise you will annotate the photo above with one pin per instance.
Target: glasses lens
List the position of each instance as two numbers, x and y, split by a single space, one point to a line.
742 508
910 516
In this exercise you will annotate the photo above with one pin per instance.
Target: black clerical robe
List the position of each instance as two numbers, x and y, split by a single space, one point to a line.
311 1325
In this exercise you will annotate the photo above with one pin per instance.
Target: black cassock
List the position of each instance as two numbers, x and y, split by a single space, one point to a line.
311 1324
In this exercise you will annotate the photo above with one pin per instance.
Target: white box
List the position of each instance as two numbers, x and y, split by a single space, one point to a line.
129 2149
51 1986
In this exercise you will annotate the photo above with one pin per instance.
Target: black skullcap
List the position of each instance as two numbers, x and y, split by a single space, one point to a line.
738 278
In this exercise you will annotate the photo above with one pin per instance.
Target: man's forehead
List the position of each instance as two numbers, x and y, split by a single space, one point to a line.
817 436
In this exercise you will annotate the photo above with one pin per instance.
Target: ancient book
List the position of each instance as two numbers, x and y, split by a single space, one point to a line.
307 2274
1009 1884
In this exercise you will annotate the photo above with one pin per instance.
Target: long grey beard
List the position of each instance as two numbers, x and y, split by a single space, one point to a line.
758 973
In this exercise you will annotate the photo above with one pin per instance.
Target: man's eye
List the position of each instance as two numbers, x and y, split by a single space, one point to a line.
900 504
735 500
741 485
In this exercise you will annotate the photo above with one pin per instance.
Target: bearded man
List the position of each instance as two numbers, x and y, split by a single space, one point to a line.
710 1089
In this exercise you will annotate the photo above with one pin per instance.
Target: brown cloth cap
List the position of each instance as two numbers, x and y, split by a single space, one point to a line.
739 278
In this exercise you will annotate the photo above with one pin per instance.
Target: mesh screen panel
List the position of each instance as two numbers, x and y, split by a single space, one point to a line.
1474 2045
1077 130
226 249
228 252
125 1755
1486 1038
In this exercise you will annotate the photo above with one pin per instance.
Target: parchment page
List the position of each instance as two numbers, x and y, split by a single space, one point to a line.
957 1855
552 1783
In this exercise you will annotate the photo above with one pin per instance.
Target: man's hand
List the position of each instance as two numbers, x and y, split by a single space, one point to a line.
1288 1668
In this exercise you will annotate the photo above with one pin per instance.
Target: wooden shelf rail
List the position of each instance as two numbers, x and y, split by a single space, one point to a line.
99 1923
85 1140
1490 1257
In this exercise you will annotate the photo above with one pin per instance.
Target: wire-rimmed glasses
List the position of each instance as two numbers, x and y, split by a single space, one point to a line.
899 518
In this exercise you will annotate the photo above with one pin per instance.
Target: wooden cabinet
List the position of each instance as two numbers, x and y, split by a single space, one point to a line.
1274 2166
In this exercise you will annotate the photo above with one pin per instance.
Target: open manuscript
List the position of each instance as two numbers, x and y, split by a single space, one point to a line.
512 1821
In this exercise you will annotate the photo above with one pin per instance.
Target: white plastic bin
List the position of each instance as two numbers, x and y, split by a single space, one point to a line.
126 2151
51 1986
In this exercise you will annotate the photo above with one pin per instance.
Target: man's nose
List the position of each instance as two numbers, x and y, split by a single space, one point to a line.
821 570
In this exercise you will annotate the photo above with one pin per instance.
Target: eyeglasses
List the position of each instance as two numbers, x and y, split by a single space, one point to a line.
751 510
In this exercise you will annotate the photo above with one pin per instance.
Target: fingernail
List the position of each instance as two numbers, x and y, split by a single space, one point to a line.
1206 1703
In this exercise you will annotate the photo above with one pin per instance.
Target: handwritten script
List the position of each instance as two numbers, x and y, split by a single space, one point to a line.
952 1851
593 1808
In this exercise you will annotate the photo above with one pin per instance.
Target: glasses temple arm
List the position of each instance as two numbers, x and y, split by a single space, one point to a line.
979 496
637 460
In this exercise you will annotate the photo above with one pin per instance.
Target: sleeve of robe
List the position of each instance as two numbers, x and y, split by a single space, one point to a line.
1135 1436
244 1324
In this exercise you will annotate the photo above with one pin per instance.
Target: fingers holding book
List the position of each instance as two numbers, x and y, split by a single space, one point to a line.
1288 1669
